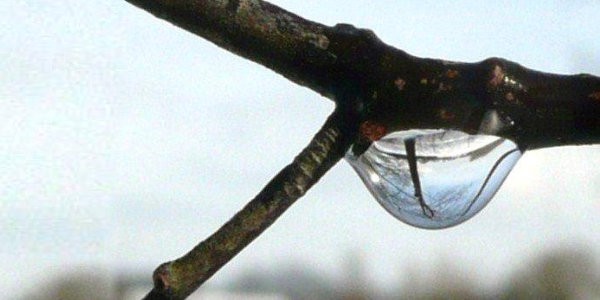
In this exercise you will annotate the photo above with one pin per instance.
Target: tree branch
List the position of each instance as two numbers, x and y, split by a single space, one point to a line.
376 87
397 90
257 30
179 278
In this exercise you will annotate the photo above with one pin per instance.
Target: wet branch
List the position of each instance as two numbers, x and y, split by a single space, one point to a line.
380 89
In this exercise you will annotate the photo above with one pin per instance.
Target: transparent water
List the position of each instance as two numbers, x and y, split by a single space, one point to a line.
459 174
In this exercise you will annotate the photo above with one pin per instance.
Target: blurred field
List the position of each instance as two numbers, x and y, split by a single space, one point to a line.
562 273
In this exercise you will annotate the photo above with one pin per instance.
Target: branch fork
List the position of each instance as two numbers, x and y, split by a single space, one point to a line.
377 89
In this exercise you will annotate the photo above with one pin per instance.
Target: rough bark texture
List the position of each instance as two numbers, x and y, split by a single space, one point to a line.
378 89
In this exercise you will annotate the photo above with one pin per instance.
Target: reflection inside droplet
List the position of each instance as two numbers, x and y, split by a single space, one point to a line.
454 174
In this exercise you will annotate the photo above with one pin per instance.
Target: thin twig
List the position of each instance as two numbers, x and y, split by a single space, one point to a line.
179 278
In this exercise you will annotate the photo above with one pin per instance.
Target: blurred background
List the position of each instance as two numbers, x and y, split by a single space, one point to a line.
124 141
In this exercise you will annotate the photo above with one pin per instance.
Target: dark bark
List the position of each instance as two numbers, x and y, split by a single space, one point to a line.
393 88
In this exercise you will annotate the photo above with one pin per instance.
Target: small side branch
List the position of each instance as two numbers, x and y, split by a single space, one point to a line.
179 278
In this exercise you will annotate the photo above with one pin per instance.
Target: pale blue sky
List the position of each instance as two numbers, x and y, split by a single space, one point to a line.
124 141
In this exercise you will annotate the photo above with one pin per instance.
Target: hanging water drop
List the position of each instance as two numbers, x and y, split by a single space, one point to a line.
435 178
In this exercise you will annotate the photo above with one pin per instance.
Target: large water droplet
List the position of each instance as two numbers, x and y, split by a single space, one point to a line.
454 174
